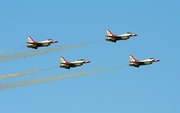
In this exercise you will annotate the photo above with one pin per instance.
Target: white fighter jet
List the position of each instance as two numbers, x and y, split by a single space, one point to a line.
137 63
113 38
67 65
33 44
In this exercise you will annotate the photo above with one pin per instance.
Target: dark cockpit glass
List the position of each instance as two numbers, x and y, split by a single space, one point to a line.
151 58
80 60
129 33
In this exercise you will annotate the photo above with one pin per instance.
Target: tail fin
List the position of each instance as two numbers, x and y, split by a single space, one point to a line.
132 59
30 39
109 33
63 60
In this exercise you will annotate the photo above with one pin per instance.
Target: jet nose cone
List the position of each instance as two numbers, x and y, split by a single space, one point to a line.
135 35
88 61
55 41
157 60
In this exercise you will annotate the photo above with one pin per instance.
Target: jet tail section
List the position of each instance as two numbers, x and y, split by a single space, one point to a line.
132 59
63 60
109 33
30 40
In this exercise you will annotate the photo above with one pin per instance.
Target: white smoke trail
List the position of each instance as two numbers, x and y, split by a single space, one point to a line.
39 52
7 76
10 50
3 51
54 78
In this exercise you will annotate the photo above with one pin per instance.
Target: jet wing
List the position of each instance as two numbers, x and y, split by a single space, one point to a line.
30 42
35 43
72 63
69 63
139 63
40 44
114 36
118 37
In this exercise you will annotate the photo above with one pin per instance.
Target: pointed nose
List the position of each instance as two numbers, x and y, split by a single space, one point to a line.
88 61
157 60
135 34
55 41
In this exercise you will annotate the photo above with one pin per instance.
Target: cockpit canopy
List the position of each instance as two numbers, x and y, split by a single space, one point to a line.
129 32
49 39
81 60
151 58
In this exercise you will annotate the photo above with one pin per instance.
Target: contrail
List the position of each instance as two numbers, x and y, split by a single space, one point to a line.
10 50
40 52
7 76
4 51
54 78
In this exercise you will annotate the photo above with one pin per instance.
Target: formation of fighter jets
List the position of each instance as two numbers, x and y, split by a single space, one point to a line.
110 37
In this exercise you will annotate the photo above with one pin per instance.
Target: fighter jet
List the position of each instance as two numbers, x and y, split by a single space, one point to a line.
137 63
33 44
113 38
67 65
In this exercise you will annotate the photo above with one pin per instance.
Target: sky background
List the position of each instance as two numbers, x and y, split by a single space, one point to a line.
148 89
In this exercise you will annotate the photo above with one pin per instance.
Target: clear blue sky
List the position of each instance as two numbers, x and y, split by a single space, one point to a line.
148 89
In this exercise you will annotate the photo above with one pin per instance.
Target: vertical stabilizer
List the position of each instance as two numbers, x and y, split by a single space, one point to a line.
132 59
30 40
63 60
109 33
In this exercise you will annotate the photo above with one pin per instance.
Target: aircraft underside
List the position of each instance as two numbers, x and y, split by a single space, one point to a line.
140 64
117 38
35 46
70 66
